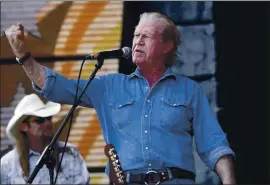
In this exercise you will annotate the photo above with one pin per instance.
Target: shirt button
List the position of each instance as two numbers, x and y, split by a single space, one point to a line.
149 164
146 116
146 148
145 131
120 105
148 101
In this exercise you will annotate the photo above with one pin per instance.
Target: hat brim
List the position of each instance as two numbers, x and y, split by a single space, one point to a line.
50 109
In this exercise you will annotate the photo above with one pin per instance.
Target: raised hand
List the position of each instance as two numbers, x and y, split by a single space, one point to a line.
17 40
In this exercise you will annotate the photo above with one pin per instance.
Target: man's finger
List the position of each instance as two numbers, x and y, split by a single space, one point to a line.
18 33
20 27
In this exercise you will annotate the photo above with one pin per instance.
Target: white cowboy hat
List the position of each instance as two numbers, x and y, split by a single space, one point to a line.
30 105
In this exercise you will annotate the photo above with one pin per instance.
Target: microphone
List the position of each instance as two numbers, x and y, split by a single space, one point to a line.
125 52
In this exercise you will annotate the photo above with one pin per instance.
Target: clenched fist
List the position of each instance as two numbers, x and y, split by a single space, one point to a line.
17 40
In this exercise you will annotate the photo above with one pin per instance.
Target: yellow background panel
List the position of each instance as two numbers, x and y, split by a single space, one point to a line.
66 29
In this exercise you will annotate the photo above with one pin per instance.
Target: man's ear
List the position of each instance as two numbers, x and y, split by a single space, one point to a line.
169 47
23 127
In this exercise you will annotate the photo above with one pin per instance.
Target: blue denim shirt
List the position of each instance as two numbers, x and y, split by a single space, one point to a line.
149 127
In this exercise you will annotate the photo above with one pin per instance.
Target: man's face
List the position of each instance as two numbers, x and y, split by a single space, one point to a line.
39 127
148 47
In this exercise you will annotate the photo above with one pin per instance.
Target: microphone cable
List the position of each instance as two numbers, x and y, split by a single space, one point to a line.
70 122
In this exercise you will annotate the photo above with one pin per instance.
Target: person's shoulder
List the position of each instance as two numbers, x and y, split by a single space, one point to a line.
189 85
117 79
116 75
9 156
183 78
61 144
110 76
70 148
187 81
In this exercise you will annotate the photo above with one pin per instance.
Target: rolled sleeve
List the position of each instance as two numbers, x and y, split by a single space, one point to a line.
217 153
211 141
49 81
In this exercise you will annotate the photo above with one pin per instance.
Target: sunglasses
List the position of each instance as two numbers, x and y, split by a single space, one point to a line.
37 120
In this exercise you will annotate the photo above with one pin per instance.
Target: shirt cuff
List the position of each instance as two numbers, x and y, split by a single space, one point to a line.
49 82
218 153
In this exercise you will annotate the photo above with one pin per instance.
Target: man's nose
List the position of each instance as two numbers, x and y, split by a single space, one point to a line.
47 122
139 40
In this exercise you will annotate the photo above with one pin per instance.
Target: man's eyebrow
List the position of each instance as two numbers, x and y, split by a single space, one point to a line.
145 33
149 33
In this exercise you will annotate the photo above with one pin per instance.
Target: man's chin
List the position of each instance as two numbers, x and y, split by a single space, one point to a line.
138 62
48 135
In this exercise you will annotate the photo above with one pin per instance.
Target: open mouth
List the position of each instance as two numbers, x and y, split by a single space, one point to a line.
139 51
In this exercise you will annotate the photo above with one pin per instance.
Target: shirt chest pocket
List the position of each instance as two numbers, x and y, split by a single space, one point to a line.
121 112
175 114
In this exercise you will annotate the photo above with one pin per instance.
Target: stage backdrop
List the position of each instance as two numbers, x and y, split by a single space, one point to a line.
57 33
61 33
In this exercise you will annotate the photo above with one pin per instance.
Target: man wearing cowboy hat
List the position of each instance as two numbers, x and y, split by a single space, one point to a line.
31 129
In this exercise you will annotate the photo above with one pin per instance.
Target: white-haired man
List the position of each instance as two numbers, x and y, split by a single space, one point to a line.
151 115
32 130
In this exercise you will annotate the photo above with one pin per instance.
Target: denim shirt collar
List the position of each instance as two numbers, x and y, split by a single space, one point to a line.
32 152
168 74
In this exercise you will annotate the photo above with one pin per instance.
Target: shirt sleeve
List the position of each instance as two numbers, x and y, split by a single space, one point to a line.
211 141
60 89
4 171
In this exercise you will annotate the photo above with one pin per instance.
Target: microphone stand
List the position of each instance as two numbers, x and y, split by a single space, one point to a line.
46 156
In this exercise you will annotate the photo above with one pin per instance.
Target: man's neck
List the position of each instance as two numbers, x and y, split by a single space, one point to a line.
38 145
153 74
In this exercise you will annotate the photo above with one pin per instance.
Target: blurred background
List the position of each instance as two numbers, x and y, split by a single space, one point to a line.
224 48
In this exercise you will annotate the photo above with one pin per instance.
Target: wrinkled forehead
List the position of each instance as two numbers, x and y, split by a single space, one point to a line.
149 26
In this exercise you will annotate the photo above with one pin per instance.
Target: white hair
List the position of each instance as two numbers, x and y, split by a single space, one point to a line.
168 30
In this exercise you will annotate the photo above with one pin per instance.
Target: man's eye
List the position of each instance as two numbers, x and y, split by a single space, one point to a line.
146 36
